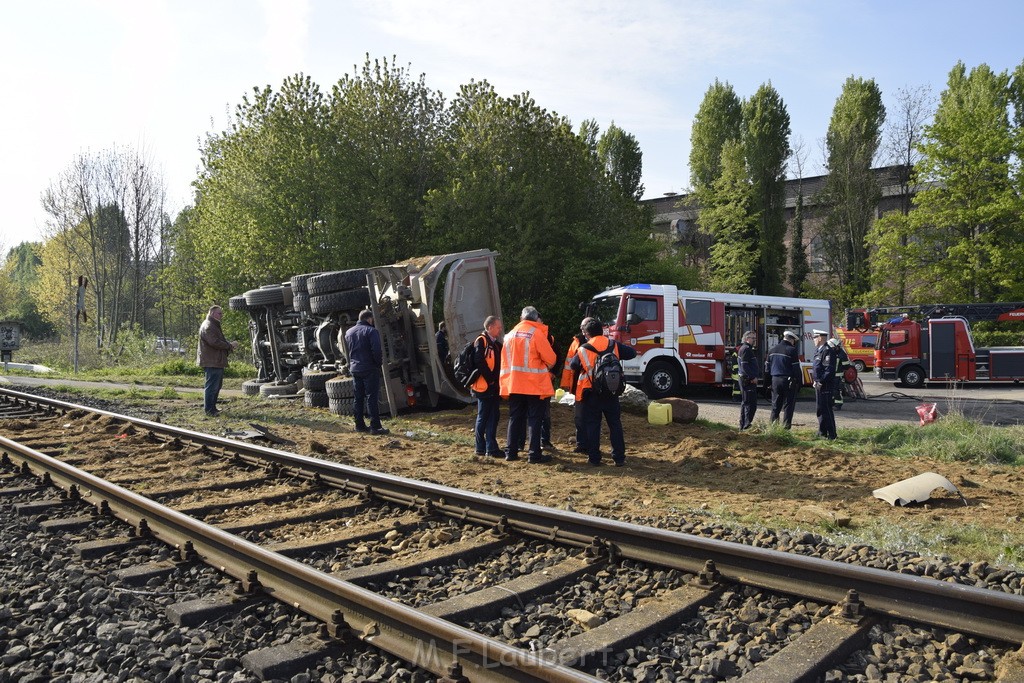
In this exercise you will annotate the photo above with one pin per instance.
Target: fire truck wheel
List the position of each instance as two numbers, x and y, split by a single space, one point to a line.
912 377
661 379
859 364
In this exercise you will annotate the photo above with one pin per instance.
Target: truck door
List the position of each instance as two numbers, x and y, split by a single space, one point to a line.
646 321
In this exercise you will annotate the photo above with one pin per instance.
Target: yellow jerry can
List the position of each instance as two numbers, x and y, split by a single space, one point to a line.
659 413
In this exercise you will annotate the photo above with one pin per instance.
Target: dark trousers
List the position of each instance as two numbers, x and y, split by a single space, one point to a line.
783 400
366 389
826 418
581 428
748 402
545 422
211 390
488 408
525 413
594 407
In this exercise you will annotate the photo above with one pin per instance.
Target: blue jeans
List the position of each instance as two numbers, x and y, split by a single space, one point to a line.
365 389
214 380
487 411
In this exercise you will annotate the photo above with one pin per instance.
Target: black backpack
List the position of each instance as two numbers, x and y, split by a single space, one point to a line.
465 369
607 377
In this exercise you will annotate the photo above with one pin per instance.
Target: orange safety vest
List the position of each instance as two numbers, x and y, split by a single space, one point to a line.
567 373
480 383
526 361
589 359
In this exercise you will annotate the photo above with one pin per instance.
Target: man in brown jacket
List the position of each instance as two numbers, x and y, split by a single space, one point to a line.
212 357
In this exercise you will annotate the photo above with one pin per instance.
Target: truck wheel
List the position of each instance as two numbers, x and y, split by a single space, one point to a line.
336 281
912 377
237 303
316 399
353 299
859 364
661 379
316 381
251 387
265 296
339 387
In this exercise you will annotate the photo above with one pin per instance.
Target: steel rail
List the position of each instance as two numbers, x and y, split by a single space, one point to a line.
424 641
987 613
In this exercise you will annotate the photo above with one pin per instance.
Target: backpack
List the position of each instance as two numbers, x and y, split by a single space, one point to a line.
465 369
606 376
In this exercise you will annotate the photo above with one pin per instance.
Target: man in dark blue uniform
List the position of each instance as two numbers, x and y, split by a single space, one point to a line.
749 372
783 364
823 371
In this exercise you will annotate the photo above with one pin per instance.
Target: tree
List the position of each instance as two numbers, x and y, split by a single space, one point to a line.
765 136
522 183
620 154
914 107
799 268
718 120
851 190
729 219
964 240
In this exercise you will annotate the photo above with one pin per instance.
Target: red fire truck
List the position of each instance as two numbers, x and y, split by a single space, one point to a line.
941 348
683 337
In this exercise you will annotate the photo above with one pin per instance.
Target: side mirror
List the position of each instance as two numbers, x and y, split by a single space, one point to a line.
633 319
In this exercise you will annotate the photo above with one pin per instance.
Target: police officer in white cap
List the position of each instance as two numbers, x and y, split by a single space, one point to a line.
823 371
783 364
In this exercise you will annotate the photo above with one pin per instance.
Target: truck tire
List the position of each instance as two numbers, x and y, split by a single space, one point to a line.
275 389
661 379
336 302
336 281
269 296
859 364
912 376
251 387
315 399
316 381
300 302
237 303
339 387
299 283
341 406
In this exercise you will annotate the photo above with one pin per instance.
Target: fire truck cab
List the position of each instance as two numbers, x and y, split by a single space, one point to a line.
942 350
685 338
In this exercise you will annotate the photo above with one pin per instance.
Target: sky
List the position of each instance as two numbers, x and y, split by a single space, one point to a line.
157 76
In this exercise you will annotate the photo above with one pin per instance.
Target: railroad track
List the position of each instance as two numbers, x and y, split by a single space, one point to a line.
474 587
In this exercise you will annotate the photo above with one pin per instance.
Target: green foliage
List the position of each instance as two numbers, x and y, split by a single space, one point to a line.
765 136
851 191
18 274
620 153
964 241
984 339
719 119
729 219
951 437
799 268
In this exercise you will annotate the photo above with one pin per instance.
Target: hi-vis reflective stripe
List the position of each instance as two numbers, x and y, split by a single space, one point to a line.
525 367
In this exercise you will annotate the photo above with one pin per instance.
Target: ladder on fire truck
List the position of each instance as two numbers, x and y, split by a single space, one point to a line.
865 318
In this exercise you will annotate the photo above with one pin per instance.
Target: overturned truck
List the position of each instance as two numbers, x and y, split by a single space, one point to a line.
297 329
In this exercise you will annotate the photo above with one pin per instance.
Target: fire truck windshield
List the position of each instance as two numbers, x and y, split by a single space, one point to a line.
606 309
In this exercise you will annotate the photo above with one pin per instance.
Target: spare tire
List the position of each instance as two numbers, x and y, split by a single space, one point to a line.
336 302
336 281
341 406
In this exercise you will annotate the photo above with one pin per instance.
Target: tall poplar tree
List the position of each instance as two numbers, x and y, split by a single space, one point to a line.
851 190
766 146
718 120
